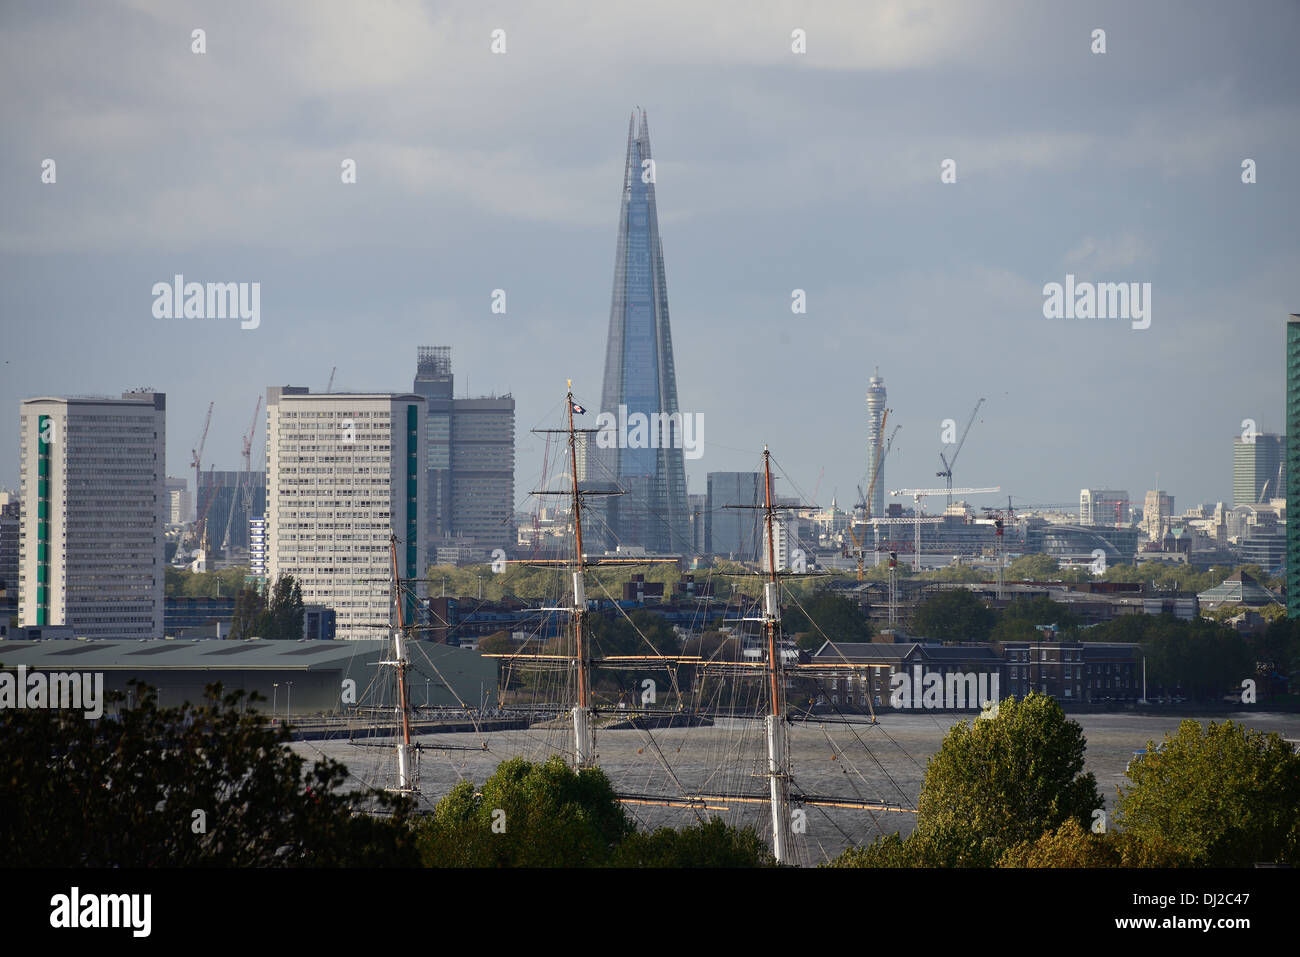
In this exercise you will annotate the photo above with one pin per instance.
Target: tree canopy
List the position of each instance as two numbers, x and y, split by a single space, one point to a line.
274 612
824 616
994 783
1229 796
955 614
549 815
187 786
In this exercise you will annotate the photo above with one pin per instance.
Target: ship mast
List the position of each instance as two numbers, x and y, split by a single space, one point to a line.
583 735
777 753
406 780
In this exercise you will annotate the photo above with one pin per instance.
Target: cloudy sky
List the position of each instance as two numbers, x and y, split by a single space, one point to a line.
776 171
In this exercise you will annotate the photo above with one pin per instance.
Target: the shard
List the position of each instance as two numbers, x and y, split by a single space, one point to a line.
639 375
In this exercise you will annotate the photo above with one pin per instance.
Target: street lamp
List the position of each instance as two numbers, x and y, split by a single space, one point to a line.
275 688
288 692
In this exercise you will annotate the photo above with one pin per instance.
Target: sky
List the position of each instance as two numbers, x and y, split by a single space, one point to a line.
776 171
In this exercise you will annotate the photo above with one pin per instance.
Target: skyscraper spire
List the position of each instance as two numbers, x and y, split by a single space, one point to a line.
639 376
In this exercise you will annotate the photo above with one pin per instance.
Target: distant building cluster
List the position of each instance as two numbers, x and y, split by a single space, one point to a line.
85 541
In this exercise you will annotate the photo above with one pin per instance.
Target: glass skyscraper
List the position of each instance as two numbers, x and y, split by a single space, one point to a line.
639 374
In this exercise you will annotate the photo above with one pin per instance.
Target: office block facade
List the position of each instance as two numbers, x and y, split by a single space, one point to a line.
344 473
471 459
1258 468
227 500
1104 506
733 533
94 503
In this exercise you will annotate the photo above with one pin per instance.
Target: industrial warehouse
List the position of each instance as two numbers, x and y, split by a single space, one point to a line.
294 677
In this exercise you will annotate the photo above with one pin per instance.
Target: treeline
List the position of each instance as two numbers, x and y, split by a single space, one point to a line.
1010 792
216 785
1200 659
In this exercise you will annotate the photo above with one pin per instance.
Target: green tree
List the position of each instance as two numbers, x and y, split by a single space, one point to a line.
527 815
123 791
250 612
1229 796
997 781
891 850
285 608
497 643
708 844
1019 621
1033 568
827 616
1070 845
955 614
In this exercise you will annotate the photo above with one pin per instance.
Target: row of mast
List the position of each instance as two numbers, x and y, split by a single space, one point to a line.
584 755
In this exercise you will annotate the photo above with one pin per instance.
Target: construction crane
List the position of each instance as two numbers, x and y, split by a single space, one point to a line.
947 465
197 457
330 384
201 528
920 493
1001 517
243 486
248 460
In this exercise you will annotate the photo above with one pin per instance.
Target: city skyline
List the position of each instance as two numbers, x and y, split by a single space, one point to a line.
1105 170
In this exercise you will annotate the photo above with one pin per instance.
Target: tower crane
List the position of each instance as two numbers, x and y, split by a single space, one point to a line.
947 465
197 458
244 485
248 460
920 493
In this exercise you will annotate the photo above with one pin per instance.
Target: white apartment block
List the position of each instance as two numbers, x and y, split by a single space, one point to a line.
783 549
344 472
91 545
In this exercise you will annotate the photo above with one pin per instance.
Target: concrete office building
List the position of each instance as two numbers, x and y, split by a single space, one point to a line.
94 503
470 454
228 499
1157 512
1258 468
179 508
346 471
1104 506
9 527
733 533
483 470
